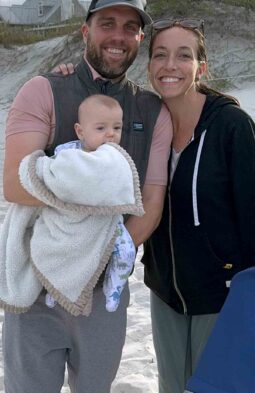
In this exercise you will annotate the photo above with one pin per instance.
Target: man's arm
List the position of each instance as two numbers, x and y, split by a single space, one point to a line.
28 128
140 228
16 148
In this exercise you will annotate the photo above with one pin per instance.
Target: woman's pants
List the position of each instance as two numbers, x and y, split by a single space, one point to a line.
179 341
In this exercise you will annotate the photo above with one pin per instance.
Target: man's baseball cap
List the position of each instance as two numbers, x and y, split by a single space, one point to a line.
138 5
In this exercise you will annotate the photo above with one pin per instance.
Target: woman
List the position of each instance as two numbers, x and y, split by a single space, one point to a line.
208 223
206 234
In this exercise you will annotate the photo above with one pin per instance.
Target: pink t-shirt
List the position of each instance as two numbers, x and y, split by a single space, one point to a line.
33 111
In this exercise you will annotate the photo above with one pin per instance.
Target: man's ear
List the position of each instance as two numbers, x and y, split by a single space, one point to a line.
141 36
84 31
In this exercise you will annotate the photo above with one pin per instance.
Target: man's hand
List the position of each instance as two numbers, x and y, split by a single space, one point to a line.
65 69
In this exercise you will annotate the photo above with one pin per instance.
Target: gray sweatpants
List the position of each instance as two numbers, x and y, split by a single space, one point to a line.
179 341
39 343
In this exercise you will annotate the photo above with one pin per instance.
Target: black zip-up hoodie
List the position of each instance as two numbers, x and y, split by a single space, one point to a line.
207 231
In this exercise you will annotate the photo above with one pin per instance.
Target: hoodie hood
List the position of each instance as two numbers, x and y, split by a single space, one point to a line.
213 105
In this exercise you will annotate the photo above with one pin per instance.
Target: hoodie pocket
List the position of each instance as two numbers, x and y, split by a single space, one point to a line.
198 268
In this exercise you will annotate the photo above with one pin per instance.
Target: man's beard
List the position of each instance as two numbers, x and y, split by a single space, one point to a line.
97 61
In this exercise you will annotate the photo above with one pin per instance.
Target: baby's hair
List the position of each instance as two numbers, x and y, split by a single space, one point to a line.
98 99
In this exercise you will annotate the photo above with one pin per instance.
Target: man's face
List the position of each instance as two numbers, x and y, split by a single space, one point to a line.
112 38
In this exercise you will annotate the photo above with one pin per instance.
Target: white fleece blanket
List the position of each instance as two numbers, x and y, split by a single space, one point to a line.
66 245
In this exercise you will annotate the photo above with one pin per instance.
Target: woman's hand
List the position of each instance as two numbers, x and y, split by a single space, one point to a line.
65 69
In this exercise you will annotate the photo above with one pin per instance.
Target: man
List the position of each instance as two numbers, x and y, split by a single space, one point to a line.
39 343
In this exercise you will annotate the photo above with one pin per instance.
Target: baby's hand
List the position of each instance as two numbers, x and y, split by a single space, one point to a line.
65 69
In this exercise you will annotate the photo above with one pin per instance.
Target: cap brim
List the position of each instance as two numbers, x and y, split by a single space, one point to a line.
144 16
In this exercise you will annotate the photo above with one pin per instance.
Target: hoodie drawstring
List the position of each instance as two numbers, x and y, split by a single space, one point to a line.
194 180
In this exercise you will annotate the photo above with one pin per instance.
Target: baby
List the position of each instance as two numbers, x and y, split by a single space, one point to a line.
99 122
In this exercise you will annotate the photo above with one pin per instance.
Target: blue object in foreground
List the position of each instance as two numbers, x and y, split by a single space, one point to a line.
227 364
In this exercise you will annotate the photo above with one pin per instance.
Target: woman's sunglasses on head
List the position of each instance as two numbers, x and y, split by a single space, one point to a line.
193 24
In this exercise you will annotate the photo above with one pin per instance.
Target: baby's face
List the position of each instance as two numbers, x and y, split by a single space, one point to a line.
100 125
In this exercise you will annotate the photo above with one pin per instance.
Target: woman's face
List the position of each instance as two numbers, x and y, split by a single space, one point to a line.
173 67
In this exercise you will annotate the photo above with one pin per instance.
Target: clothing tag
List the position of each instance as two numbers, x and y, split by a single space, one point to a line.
228 284
50 301
138 126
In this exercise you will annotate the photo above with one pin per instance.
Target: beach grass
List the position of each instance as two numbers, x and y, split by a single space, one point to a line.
24 35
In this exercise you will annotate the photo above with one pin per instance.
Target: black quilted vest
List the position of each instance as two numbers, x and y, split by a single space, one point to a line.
141 109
